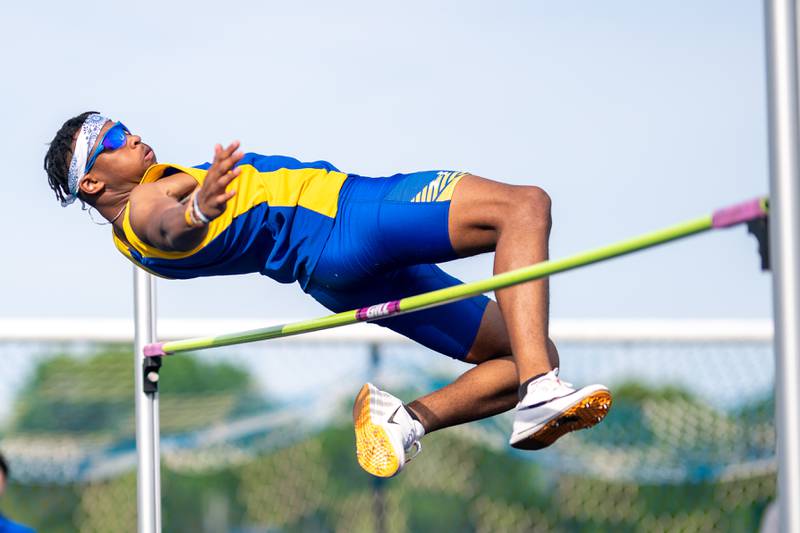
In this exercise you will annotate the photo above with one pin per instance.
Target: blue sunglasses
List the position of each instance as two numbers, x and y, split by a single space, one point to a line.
112 140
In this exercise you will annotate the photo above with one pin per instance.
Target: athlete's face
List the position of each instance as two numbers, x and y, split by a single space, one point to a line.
117 168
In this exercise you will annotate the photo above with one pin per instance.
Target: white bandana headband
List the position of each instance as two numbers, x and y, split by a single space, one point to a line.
87 136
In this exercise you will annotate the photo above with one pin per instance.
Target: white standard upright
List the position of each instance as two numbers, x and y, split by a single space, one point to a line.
784 134
148 476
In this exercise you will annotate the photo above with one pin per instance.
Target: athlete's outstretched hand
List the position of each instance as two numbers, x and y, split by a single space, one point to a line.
212 196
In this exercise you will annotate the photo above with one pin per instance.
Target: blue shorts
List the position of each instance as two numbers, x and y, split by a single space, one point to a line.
387 234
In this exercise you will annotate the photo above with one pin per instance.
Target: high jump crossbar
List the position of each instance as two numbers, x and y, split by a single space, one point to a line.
753 212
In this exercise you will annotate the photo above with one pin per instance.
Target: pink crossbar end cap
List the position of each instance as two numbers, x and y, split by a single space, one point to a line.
154 350
744 212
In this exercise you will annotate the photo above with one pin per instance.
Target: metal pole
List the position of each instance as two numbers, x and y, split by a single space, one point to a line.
155 410
781 47
148 492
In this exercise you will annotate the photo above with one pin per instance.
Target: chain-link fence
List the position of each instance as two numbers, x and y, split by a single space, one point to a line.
259 438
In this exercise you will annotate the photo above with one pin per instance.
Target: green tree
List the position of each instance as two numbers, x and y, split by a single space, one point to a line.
94 394
79 401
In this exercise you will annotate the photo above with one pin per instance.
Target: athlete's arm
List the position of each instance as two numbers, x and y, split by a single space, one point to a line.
160 219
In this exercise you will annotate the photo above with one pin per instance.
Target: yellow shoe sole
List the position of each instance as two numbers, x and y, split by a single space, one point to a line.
584 414
373 448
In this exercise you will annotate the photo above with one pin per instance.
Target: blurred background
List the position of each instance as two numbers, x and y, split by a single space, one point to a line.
632 115
259 438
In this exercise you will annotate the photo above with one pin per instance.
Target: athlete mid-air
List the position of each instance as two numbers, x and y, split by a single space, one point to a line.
350 241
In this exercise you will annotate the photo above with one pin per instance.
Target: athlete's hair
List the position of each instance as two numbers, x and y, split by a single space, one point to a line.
59 155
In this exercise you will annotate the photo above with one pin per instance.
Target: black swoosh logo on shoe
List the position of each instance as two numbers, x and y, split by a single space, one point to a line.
391 418
534 406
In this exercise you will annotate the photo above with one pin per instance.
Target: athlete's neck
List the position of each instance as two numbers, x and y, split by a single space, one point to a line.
111 203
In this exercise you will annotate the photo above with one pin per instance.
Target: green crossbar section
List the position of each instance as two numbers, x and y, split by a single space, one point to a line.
450 294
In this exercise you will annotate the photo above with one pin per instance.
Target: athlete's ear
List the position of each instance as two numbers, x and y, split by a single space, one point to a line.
90 186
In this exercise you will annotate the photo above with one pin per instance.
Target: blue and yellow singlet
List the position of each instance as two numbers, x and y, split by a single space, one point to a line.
277 224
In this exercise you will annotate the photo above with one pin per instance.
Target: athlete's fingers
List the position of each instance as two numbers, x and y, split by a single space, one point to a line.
220 181
218 176
231 148
219 204
224 182
229 176
221 154
227 196
226 163
215 162
212 195
234 158
215 205
228 171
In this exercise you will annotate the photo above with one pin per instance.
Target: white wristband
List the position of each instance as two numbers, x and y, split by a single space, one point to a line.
197 213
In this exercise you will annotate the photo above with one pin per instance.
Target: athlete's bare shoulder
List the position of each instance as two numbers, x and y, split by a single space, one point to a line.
175 186
149 201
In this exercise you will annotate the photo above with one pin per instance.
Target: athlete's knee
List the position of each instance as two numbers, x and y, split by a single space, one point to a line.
531 208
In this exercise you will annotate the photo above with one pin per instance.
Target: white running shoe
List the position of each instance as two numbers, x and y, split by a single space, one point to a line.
551 408
384 432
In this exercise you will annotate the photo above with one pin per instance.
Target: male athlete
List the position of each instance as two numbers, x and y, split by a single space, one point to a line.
350 241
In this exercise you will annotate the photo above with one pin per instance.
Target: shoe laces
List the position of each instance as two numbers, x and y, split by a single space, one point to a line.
411 443
556 372
413 450
551 382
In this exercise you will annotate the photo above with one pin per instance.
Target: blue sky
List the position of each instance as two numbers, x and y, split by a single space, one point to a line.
632 115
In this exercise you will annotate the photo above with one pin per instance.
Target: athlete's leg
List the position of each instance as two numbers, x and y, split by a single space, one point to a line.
489 388
417 226
547 408
514 222
379 250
